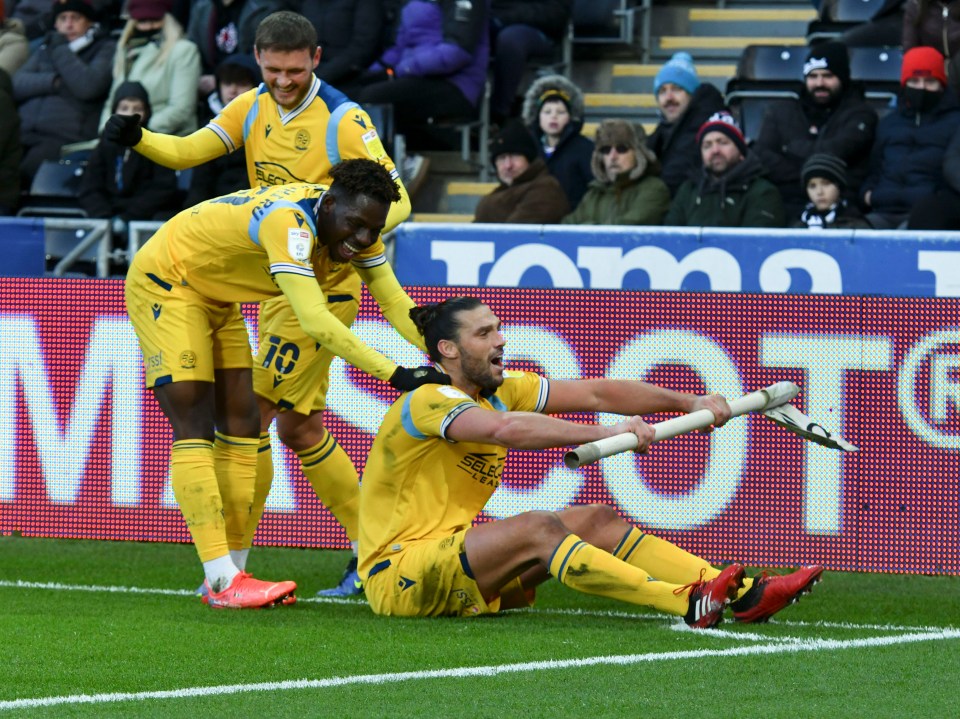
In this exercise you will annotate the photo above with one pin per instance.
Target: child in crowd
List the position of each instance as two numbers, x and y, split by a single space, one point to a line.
123 185
824 177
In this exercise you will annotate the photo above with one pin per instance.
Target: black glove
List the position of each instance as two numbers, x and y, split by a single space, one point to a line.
407 380
123 129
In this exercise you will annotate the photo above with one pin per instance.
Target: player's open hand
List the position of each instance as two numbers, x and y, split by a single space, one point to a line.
407 380
123 129
717 404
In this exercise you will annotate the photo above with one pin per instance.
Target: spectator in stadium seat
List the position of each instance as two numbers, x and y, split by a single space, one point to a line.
236 75
13 44
62 86
521 30
728 190
527 193
10 151
183 293
685 104
626 189
321 129
941 210
830 117
906 162
350 34
153 51
824 177
436 69
553 112
221 28
439 455
123 185
883 28
936 24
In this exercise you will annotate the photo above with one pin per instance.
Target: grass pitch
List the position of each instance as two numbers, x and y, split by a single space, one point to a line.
111 629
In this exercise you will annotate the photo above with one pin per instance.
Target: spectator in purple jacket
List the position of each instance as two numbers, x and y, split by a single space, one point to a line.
436 68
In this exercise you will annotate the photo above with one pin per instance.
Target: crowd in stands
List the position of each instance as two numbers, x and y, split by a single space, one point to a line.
827 159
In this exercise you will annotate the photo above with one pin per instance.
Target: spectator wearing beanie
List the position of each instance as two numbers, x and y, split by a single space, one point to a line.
685 104
153 51
63 84
553 112
730 190
831 116
936 25
824 178
527 193
627 189
906 162
123 185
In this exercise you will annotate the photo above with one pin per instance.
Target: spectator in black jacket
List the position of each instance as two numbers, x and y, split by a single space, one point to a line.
824 177
10 150
684 105
123 185
349 33
553 112
519 30
830 117
941 210
63 84
906 163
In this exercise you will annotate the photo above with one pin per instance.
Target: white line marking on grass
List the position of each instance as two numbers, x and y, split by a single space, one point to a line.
807 645
19 584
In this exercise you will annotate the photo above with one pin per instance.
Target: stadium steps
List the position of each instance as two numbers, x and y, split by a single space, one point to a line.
639 107
463 196
441 217
761 21
716 47
637 77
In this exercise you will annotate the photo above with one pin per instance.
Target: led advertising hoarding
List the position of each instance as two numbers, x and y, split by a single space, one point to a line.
86 448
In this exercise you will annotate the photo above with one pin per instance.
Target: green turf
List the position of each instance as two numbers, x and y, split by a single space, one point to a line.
60 642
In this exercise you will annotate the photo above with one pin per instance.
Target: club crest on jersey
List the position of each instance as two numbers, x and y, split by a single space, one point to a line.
302 140
298 244
371 141
188 359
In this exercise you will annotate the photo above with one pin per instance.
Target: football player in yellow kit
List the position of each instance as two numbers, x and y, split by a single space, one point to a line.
183 291
294 128
439 456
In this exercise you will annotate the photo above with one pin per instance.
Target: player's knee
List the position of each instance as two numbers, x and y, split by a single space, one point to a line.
601 515
546 527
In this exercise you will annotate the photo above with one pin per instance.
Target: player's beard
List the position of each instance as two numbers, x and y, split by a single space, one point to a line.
477 371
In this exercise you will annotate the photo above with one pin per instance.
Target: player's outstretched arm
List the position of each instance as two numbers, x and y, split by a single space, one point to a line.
629 397
394 302
530 430
177 153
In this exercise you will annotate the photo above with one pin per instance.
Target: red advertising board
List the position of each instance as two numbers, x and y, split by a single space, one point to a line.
86 448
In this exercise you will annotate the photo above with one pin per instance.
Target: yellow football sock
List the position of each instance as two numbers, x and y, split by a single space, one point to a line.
666 561
195 488
335 480
261 488
236 461
588 569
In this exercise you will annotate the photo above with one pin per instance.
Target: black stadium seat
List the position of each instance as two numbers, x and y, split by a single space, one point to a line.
846 15
764 73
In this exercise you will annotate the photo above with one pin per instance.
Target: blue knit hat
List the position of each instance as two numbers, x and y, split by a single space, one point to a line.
680 71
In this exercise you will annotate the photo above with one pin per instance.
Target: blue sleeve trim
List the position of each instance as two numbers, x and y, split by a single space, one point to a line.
452 415
252 113
165 285
333 127
406 419
280 268
257 218
378 567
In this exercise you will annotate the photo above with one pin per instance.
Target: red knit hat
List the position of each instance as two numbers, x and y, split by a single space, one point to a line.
723 122
923 62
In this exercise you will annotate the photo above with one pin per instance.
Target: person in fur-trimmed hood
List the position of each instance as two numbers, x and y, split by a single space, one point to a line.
627 189
553 110
728 190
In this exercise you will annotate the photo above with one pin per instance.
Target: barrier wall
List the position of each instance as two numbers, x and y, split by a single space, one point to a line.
850 262
86 448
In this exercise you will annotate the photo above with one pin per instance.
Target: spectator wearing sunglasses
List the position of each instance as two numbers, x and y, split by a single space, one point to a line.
626 189
728 190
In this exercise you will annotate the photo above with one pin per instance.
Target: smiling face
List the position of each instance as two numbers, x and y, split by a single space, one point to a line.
823 86
348 226
288 75
475 359
673 101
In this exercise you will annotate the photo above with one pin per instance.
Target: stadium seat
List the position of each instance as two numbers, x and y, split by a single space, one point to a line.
764 73
54 190
846 15
612 21
466 126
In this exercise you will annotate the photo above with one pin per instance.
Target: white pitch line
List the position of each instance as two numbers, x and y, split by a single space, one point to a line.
809 645
606 613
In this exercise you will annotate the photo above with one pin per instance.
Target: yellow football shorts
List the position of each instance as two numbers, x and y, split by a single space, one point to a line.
183 335
291 369
428 578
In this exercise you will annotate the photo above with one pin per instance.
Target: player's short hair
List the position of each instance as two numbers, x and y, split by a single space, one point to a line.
285 31
439 321
353 178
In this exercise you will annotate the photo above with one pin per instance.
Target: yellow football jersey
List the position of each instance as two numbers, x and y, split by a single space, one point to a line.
228 249
417 484
300 145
